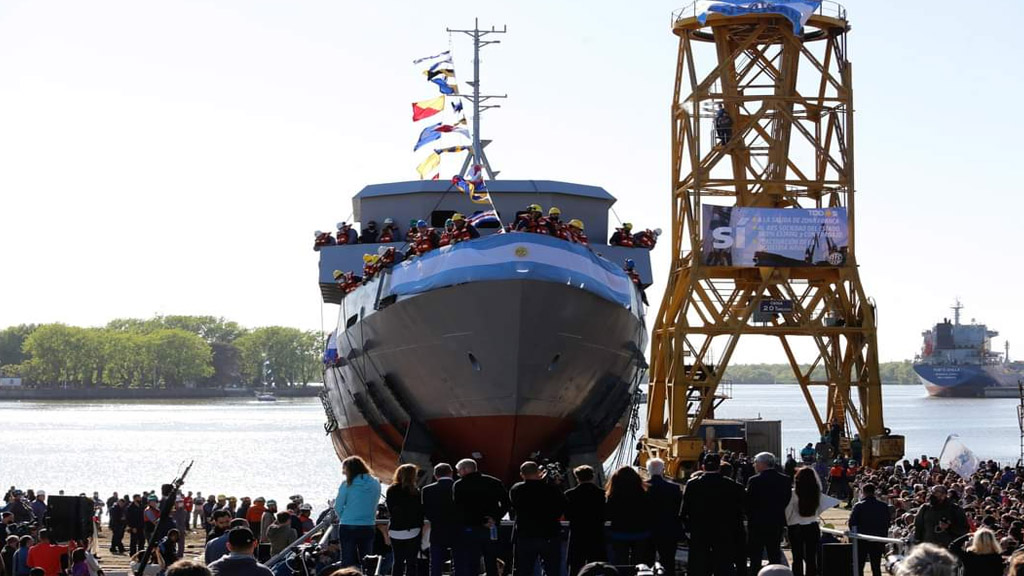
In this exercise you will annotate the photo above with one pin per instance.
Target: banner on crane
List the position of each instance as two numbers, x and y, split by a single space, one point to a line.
743 237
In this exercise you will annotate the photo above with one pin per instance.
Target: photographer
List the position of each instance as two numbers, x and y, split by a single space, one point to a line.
939 521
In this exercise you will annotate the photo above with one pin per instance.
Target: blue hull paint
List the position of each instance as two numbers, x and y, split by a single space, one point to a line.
968 380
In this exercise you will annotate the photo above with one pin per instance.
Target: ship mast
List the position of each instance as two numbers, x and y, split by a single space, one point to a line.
477 154
956 312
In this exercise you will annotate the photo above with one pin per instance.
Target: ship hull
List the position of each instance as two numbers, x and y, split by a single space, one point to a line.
969 380
500 371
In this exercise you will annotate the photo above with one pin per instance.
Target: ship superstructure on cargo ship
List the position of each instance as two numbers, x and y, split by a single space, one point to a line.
957 360
506 347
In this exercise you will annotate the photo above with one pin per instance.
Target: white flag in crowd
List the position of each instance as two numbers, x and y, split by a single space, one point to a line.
957 457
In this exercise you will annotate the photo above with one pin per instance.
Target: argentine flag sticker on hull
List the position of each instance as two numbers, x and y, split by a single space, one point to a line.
513 256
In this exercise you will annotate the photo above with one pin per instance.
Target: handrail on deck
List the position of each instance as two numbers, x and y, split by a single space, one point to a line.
825 8
853 537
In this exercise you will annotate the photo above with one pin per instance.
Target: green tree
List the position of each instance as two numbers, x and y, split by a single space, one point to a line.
52 353
11 341
177 357
279 356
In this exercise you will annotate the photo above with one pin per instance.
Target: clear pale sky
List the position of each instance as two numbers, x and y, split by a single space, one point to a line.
175 157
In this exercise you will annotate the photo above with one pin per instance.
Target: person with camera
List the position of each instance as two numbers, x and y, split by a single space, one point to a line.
537 506
939 521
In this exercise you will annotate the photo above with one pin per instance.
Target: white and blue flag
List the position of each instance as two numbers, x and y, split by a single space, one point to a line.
796 11
957 457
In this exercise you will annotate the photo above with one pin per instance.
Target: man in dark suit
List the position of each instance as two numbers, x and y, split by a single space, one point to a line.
667 503
713 512
439 509
585 513
768 494
871 517
481 502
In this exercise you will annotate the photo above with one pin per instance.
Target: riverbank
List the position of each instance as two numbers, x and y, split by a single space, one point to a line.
26 393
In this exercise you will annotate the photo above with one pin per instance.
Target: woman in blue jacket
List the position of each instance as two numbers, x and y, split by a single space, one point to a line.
356 507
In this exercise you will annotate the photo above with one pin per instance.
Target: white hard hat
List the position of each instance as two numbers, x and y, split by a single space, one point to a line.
340 225
389 221
657 231
317 233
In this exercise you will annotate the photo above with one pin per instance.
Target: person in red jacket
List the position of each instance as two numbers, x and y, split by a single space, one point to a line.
46 555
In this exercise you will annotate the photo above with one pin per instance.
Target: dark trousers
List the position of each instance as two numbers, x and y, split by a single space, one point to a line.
804 540
405 553
665 553
439 552
473 544
528 549
135 541
716 556
766 539
356 543
870 551
631 552
117 538
585 547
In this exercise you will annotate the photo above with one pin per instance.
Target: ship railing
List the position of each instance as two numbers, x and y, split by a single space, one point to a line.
901 545
825 8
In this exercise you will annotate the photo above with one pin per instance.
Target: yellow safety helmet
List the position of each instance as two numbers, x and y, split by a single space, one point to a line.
457 217
534 208
367 258
627 225
576 223
338 274
554 211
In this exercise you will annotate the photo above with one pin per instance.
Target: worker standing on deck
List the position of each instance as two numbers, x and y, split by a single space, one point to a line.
446 236
322 239
369 234
623 236
389 233
463 230
723 125
345 234
576 233
426 238
555 224
630 269
533 220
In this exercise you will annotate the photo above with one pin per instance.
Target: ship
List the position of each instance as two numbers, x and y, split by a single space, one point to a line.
508 347
957 361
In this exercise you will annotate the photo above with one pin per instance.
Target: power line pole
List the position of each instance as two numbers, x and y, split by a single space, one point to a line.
478 99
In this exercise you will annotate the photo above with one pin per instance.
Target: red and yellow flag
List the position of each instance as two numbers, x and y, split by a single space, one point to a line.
427 108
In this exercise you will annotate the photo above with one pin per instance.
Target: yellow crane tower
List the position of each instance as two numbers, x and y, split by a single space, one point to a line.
763 227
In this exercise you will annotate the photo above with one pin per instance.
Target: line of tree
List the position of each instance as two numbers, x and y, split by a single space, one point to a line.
161 352
901 372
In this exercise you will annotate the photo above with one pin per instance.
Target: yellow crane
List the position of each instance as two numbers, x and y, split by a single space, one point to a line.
762 127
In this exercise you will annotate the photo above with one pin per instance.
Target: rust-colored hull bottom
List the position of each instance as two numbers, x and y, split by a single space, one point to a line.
503 442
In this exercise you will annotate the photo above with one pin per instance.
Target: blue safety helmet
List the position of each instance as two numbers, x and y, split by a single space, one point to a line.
630 264
421 223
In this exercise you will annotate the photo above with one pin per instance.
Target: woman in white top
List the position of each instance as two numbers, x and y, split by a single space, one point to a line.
805 505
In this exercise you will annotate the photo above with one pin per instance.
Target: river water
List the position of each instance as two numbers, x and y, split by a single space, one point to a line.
245 447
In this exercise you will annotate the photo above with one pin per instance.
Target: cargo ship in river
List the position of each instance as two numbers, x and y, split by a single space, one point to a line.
957 360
